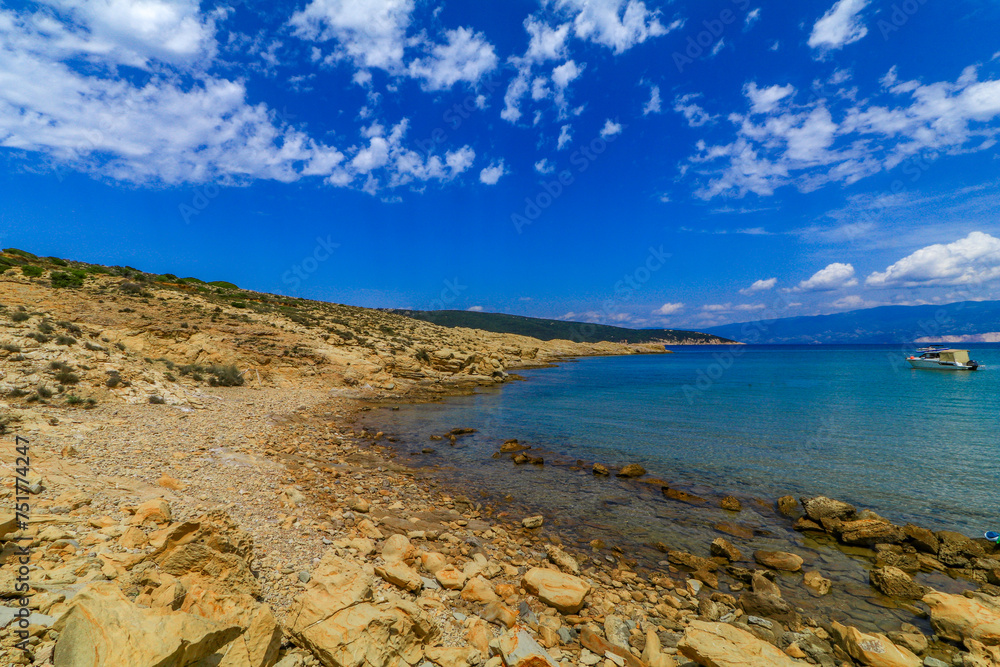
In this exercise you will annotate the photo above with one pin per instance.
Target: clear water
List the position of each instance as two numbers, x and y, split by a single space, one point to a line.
851 422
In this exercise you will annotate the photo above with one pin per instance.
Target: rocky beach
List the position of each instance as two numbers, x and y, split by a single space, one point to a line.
208 485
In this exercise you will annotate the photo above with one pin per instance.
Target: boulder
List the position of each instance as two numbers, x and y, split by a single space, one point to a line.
400 574
212 549
921 538
765 604
478 589
817 583
617 631
336 620
592 641
632 470
778 560
956 617
872 649
724 548
652 654
258 646
721 645
452 657
562 560
565 592
397 547
155 512
521 650
731 503
433 561
102 627
788 506
895 583
533 521
450 578
870 531
601 469
821 507
8 523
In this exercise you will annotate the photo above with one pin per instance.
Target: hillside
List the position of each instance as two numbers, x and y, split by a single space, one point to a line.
82 333
968 321
544 329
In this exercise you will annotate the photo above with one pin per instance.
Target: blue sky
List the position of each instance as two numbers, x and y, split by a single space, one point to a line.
643 164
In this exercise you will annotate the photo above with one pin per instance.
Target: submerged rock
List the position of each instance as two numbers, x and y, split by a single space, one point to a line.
817 583
722 547
822 507
683 496
601 469
779 560
632 470
787 505
895 583
731 503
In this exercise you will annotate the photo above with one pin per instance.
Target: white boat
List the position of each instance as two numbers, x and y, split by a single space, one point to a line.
944 359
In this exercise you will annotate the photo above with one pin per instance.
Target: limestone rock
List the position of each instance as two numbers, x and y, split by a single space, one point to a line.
562 560
396 548
521 650
956 617
870 531
724 548
895 583
212 548
872 649
691 561
683 496
787 505
102 627
533 521
433 561
400 574
452 657
8 523
450 578
923 539
822 507
259 645
722 645
478 589
652 655
601 469
602 647
817 583
557 589
779 560
632 470
731 503
155 512
617 631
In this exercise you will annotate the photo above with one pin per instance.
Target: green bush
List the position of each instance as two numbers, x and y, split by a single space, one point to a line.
114 379
57 261
131 288
223 284
238 304
97 268
62 279
65 340
32 271
43 392
12 348
73 400
225 376
22 253
66 377
45 327
19 316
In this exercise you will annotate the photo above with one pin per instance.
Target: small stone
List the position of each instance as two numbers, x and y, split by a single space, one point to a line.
779 560
632 470
533 521
731 503
817 583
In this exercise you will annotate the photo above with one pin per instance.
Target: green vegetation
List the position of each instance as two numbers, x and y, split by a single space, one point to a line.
20 253
57 261
223 283
19 316
32 271
11 348
73 278
553 329
65 340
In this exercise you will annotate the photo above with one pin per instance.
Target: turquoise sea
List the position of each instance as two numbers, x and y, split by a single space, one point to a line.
849 421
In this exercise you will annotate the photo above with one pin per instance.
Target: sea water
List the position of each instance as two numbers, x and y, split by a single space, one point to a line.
851 422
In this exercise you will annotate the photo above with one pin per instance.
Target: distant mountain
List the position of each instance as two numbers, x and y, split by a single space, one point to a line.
558 329
964 321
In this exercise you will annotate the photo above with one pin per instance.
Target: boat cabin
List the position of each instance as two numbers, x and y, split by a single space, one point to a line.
948 355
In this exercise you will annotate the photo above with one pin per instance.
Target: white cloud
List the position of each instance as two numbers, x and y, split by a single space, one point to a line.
375 34
616 24
695 115
669 309
841 25
564 137
970 260
610 129
466 56
565 73
752 17
807 145
765 100
370 33
750 307
543 166
546 42
491 174
852 301
761 285
131 32
653 105
833 277
717 307
719 45
475 309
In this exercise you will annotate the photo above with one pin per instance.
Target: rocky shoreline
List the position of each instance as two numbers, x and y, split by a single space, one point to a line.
262 524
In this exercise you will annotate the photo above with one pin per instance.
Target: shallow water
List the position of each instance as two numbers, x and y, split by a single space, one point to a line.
757 422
